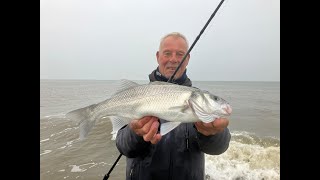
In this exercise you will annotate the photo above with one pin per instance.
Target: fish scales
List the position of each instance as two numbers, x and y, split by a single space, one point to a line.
146 100
174 103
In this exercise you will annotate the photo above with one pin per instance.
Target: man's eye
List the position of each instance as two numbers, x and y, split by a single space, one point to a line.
167 54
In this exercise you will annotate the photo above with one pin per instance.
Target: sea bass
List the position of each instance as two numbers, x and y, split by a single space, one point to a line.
174 103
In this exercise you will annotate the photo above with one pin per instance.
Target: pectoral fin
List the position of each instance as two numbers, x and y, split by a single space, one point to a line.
167 127
118 123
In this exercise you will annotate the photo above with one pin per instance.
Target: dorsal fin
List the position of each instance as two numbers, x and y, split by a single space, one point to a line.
125 84
160 83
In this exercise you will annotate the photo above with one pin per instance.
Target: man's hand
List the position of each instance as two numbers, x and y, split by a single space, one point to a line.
147 127
212 128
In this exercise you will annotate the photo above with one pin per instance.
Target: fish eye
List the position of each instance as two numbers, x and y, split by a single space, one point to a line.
216 98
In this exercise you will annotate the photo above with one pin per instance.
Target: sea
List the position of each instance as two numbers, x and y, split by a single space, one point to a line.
253 153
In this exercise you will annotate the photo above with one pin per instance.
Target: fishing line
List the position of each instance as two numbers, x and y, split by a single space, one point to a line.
195 41
171 78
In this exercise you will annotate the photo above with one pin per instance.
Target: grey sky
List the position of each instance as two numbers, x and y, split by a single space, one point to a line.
116 39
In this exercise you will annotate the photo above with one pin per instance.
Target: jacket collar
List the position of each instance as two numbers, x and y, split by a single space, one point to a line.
157 76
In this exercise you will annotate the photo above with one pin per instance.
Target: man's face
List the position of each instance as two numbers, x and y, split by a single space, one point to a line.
170 54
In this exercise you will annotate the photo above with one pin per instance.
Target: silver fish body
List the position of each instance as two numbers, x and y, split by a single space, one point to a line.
174 103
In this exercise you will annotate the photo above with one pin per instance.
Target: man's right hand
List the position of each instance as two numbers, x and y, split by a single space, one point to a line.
147 127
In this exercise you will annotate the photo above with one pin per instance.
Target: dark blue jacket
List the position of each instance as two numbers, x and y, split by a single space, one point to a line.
178 155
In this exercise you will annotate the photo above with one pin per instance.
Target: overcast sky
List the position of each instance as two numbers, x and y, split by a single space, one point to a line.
116 39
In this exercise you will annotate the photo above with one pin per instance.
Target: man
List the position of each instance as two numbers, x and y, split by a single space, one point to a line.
180 153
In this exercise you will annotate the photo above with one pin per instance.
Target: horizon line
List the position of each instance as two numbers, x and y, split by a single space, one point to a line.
148 80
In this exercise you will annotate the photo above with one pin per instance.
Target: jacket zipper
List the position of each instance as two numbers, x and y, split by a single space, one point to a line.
131 171
187 138
170 166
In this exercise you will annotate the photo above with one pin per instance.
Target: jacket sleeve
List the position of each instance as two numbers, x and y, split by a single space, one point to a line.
130 144
215 144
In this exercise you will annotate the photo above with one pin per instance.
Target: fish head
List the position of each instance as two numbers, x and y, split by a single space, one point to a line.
217 104
208 106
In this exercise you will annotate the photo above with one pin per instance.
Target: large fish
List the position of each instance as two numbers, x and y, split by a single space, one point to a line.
174 103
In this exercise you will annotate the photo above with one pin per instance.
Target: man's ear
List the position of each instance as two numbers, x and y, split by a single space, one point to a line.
157 55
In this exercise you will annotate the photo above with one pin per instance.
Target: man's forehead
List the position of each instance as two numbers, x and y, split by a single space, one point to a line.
170 38
171 42
173 50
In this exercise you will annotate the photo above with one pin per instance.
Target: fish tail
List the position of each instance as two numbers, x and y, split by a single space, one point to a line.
84 118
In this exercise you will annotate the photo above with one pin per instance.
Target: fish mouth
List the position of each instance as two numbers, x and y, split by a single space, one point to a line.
227 108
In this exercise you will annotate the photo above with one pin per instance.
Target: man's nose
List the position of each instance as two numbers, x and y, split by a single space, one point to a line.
174 59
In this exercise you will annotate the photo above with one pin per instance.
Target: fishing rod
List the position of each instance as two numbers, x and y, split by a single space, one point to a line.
114 164
194 42
171 78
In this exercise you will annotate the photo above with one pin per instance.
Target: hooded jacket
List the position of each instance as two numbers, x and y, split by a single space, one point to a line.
179 155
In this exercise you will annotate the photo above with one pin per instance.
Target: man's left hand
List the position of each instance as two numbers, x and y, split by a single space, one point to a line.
213 127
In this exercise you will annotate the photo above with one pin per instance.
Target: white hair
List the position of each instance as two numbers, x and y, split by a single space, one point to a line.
174 34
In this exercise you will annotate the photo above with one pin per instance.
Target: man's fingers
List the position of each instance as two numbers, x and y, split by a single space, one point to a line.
200 126
143 121
208 125
212 128
152 131
220 123
133 124
146 128
156 138
139 123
